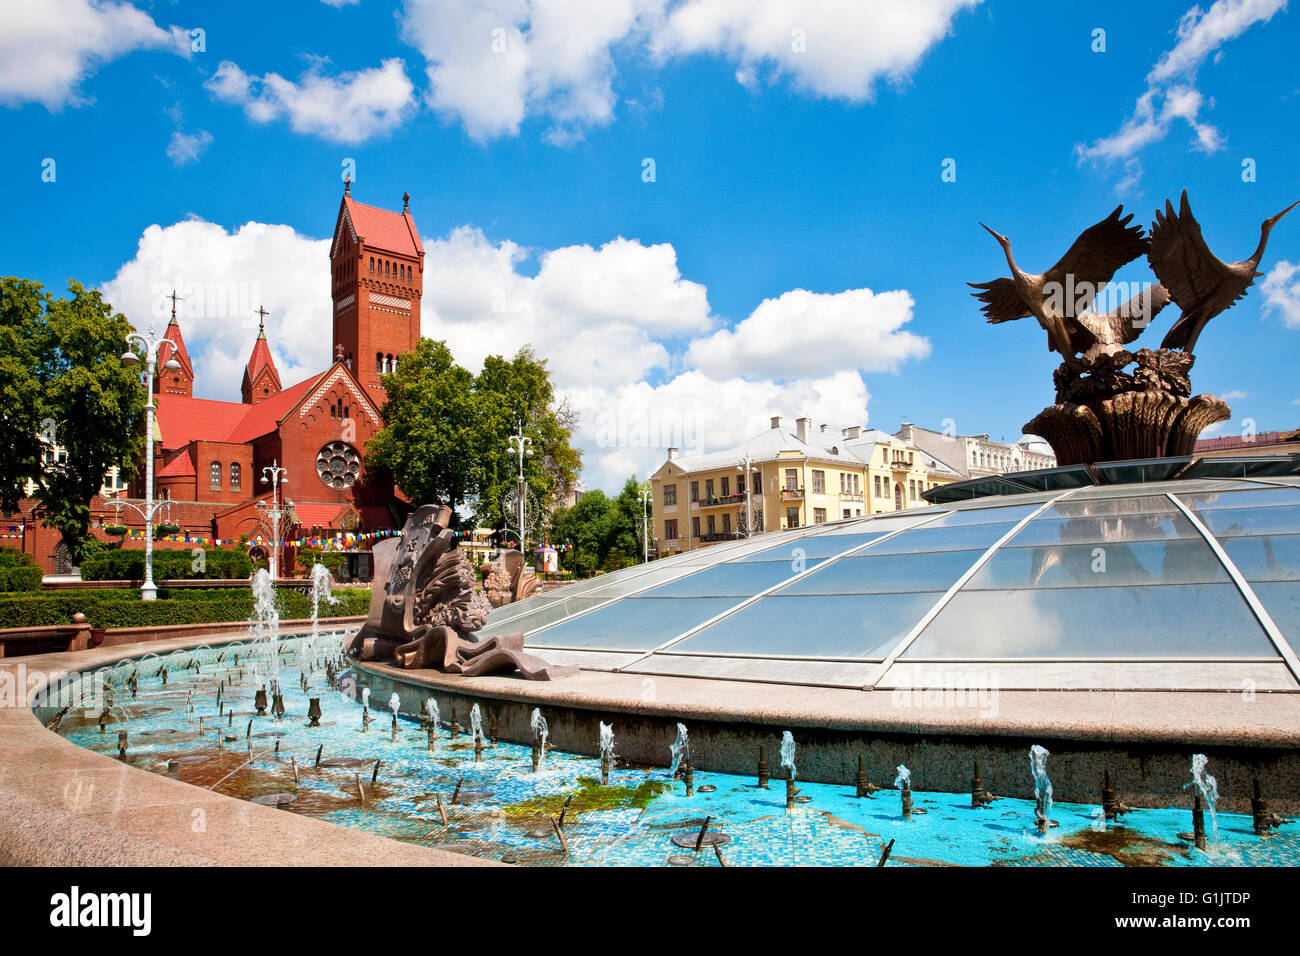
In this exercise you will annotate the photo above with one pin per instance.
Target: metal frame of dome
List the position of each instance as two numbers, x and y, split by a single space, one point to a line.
1193 601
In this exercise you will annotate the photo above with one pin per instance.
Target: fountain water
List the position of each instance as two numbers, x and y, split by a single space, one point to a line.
476 731
1042 787
1207 788
679 748
431 708
606 752
540 732
394 702
266 621
787 753
904 784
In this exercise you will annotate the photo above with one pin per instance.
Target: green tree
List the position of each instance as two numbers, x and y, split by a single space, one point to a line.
508 393
605 532
430 435
78 394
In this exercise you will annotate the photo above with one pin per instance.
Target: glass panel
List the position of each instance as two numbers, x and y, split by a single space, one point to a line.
930 538
858 626
741 579
1191 621
1075 507
880 525
1227 522
1100 530
1218 497
1179 561
1282 601
964 516
633 624
540 617
1138 472
813 546
874 574
1266 558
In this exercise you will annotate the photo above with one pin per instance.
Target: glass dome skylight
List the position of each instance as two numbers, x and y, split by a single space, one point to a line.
1191 584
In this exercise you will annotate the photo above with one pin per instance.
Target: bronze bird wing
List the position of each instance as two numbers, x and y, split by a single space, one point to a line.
1182 261
1097 254
1002 302
1126 323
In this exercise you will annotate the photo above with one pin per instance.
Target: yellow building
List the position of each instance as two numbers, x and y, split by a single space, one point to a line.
784 479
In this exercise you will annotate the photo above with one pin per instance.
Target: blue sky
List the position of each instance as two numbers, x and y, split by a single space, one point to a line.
795 147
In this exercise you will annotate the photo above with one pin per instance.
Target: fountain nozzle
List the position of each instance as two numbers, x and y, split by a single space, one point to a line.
763 774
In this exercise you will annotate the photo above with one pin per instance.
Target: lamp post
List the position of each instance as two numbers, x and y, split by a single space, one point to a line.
645 522
746 467
152 344
518 444
275 475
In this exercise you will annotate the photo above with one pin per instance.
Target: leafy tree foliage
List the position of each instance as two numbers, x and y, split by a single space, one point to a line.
605 532
62 383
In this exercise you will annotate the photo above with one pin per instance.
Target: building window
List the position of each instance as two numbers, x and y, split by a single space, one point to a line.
792 517
214 476
726 524
898 497
819 516
819 482
235 476
725 489
338 465
857 488
379 361
711 526
695 527
877 486
670 529
791 481
740 484
372 265
670 498
695 491
708 489
846 512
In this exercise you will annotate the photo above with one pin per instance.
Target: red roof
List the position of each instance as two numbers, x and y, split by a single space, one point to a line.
1238 441
260 358
315 514
179 467
173 334
393 231
182 420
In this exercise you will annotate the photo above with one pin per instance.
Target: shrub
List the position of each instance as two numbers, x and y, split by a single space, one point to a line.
124 565
180 606
19 571
332 560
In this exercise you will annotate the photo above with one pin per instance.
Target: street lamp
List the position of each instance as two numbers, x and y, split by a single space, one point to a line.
645 521
746 467
152 344
274 475
518 444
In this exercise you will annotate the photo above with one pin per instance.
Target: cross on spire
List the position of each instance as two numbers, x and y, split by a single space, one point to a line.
347 184
175 298
261 314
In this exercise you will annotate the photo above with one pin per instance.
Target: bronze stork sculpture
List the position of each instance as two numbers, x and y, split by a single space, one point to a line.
1104 411
1201 283
1056 297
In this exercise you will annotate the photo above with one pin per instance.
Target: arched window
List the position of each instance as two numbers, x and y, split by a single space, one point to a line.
379 361
214 473
387 267
235 476
372 265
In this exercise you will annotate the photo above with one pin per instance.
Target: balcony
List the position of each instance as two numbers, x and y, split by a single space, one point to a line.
790 494
718 501
712 536
850 496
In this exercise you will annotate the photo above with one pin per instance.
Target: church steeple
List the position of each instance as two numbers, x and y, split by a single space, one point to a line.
261 380
180 382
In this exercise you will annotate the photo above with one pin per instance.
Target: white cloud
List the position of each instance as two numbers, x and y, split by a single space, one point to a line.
1233 395
223 276
1281 288
1171 92
616 324
493 63
48 48
347 108
808 333
831 48
188 147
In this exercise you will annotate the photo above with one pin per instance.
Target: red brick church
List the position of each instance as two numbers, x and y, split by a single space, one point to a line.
210 454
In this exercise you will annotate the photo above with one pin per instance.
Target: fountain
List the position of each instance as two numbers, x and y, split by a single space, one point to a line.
266 620
540 733
1042 787
365 709
1205 793
393 703
763 775
606 752
787 761
904 784
320 591
431 708
679 748
476 731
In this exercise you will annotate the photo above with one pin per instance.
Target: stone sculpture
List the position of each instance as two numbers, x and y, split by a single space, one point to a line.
424 608
1104 410
511 582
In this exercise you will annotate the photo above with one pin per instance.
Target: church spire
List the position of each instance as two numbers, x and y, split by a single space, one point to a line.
181 381
261 379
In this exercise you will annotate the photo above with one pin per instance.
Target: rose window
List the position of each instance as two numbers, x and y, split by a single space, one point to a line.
338 464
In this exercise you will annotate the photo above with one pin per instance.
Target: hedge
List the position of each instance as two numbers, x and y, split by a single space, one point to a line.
128 565
19 571
198 606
